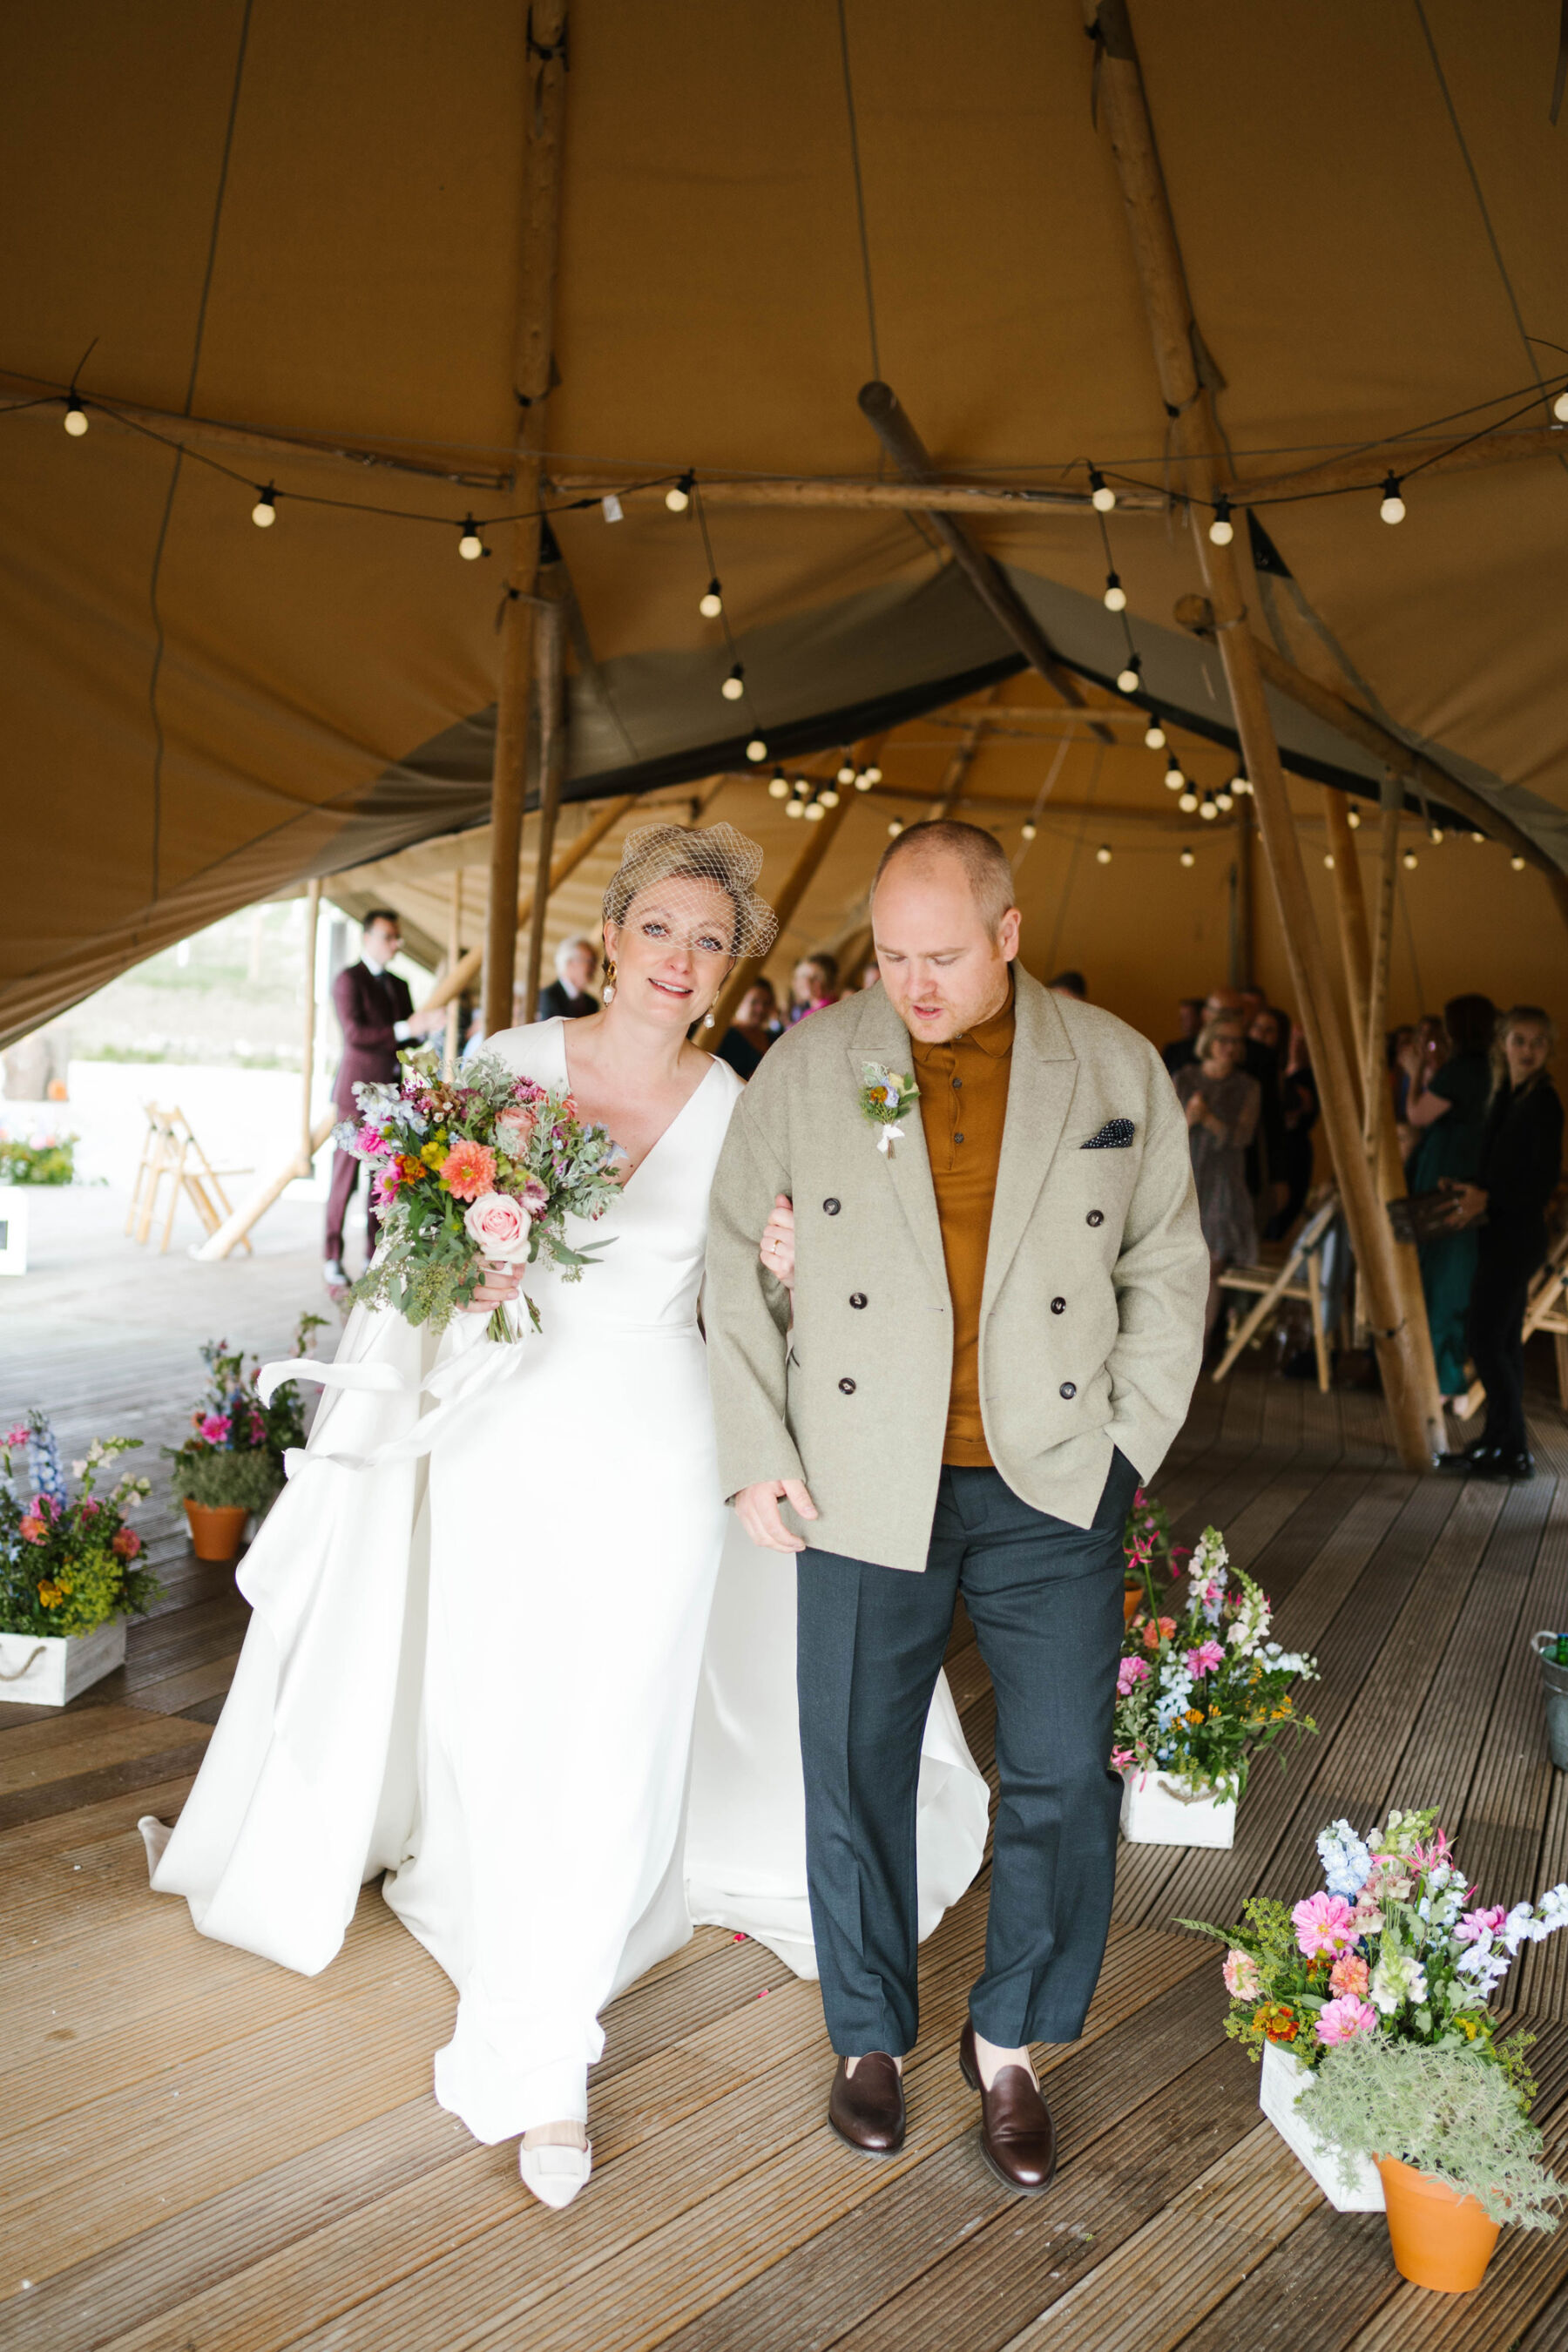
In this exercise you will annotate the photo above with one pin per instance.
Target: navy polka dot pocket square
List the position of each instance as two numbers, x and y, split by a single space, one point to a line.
1114 1136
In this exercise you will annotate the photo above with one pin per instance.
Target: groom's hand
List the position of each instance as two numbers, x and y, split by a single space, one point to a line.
757 1509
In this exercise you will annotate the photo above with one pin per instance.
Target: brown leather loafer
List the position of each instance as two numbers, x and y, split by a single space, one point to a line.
866 2108
1017 2138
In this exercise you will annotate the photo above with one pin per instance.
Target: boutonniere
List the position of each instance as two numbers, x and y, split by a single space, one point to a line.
884 1095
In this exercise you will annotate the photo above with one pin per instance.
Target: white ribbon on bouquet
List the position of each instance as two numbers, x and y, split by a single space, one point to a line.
469 1365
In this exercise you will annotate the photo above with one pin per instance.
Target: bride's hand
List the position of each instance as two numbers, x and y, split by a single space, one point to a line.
777 1251
497 1283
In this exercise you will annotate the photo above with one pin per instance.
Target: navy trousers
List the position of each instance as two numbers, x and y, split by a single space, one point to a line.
1045 1599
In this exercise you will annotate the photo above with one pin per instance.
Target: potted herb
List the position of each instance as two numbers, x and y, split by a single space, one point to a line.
68 1577
1392 1953
231 1465
1196 1694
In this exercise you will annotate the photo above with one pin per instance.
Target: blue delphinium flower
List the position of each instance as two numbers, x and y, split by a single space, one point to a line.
1175 1690
1346 1860
43 1460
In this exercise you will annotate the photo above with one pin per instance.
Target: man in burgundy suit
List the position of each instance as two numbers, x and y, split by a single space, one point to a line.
376 1014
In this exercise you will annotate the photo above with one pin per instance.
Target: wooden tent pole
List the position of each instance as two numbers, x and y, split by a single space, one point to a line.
1174 335
919 497
1371 1045
454 956
799 881
551 645
1367 469
452 983
1244 938
545 119
1351 908
312 929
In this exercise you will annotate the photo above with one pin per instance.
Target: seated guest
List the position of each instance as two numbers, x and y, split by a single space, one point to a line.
813 983
577 968
871 976
1299 1108
1221 1104
1189 1021
1445 1104
1069 983
755 1026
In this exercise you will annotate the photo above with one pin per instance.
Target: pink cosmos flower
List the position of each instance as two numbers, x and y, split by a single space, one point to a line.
31 1530
1348 1974
127 1543
1479 1927
514 1130
1342 2019
1204 1660
216 1428
1323 1923
468 1170
1242 1980
1131 1671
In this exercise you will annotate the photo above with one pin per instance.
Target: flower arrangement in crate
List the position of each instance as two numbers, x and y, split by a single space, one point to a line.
1372 1998
66 1568
487 1165
1198 1693
233 1458
41 1159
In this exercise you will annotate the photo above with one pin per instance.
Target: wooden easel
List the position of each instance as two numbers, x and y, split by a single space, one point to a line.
1546 1309
1274 1286
171 1149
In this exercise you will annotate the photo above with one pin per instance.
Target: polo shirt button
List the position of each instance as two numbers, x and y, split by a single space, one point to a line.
848 1387
831 1206
857 1298
1068 1389
1096 1217
1058 1305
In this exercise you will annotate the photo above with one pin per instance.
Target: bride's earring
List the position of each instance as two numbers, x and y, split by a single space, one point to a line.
610 982
708 1021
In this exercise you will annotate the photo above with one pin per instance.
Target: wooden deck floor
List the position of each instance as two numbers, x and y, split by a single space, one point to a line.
201 2153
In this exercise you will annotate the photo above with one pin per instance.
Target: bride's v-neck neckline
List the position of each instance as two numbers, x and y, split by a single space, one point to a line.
670 1125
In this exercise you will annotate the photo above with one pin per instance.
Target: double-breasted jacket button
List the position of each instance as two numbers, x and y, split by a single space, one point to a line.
1059 1306
957 1138
831 1206
1095 1217
1069 1389
848 1387
857 1298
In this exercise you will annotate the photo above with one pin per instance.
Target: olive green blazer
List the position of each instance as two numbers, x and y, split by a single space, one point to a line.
1092 1311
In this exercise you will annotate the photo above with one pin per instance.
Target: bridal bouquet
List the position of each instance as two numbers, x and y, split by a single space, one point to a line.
1195 1691
487 1165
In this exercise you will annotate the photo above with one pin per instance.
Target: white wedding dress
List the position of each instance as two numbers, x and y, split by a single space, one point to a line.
483 1629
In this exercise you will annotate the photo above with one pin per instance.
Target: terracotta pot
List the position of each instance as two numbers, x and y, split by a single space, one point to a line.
1439 2239
1132 1598
216 1529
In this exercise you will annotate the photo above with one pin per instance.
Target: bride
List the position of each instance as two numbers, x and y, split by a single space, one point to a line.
478 1635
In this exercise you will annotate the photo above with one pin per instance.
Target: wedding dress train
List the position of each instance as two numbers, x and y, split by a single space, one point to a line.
482 1631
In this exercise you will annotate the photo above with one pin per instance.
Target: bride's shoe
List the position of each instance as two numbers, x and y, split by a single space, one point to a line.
555 2174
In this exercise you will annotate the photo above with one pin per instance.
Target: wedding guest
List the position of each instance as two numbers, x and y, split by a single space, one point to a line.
1189 1021
567 997
1521 1162
1446 1103
375 1012
1223 1103
1299 1107
753 1030
813 983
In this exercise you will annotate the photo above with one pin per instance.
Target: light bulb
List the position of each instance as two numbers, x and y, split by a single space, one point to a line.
677 497
1029 830
75 417
814 811
1188 857
1352 817
1174 778
895 828
756 750
1517 863
796 808
846 772
1207 809
470 547
1393 507
710 603
828 796
1329 859
1115 594
778 785
1102 855
1241 787
1223 801
864 780
264 513
1188 802
873 775
734 686
1434 833
1154 736
1478 837
1102 497
1222 530
1559 410
1409 861
1127 679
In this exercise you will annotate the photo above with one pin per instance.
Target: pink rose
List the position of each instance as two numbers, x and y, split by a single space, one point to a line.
1323 1923
1242 1980
514 1131
1348 1974
499 1225
1342 2019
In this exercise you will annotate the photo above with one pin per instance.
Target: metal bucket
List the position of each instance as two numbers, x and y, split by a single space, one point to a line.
1554 1689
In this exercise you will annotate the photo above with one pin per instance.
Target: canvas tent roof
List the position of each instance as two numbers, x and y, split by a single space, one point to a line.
304 223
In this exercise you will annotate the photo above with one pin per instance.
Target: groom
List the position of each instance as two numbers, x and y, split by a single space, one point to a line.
998 1318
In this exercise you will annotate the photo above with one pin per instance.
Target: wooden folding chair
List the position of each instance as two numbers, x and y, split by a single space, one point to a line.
1546 1309
1275 1284
149 1171
172 1150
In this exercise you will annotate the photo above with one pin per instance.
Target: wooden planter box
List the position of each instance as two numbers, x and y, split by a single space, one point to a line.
1156 1810
47 1669
1284 2080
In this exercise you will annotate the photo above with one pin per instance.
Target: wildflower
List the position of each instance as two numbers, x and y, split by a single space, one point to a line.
214 1428
1120 1758
127 1543
1160 1631
50 1593
1129 1673
1280 2022
31 1529
1242 1980
1342 2019
1348 1974
468 1169
16 1437
1203 1659
1323 1924
1346 1859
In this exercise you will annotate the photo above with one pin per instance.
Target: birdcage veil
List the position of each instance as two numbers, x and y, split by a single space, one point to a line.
711 853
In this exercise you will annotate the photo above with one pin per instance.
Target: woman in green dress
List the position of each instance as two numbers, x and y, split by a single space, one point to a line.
1447 1105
